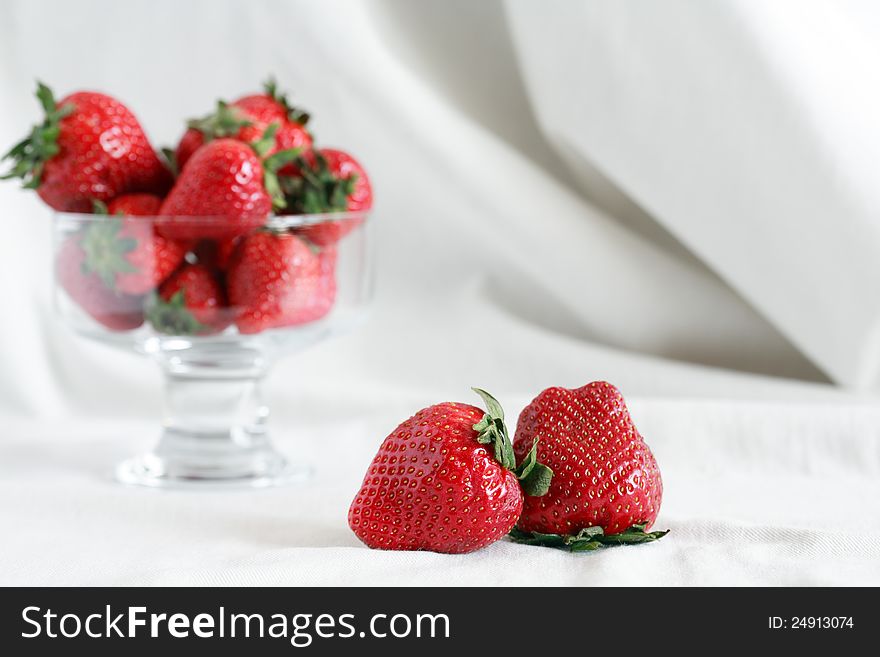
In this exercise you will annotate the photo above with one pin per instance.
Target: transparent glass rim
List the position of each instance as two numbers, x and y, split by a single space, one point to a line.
271 221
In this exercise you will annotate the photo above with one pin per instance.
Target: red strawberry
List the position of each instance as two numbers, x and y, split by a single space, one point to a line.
225 122
273 281
246 119
135 205
328 181
224 181
126 253
273 107
606 486
89 147
191 302
444 481
116 311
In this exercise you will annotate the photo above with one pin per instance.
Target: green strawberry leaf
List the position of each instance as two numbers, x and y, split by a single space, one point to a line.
587 539
106 250
317 189
172 317
265 143
270 175
534 477
280 158
491 430
225 121
30 154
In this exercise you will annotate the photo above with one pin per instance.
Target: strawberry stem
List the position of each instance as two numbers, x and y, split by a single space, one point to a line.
587 539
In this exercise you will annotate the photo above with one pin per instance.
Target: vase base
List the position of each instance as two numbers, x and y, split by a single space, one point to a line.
152 471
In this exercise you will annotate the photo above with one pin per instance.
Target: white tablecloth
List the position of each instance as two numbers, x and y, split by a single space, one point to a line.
684 206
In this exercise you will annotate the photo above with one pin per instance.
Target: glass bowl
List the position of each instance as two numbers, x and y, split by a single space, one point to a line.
215 304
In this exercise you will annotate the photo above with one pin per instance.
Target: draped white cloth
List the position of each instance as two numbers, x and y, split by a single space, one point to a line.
678 197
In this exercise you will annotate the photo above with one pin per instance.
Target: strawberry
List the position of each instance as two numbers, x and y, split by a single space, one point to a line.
606 488
444 480
273 280
126 253
225 122
190 302
327 181
89 147
114 310
272 106
246 119
135 205
227 181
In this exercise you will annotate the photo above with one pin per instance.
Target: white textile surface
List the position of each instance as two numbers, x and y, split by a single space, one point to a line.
678 197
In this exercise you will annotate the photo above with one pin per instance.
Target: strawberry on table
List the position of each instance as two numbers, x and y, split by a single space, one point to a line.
89 147
114 310
226 181
606 488
274 280
444 480
190 302
327 181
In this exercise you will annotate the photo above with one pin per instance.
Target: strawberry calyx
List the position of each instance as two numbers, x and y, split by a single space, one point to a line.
317 189
294 114
534 477
225 121
588 538
41 145
272 163
106 251
172 317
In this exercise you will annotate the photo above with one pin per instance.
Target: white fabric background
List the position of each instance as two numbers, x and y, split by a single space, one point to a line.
678 197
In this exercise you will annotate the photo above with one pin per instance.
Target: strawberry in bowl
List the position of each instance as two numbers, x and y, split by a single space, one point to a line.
202 270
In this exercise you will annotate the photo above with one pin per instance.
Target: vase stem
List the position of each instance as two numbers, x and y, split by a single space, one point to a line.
215 432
